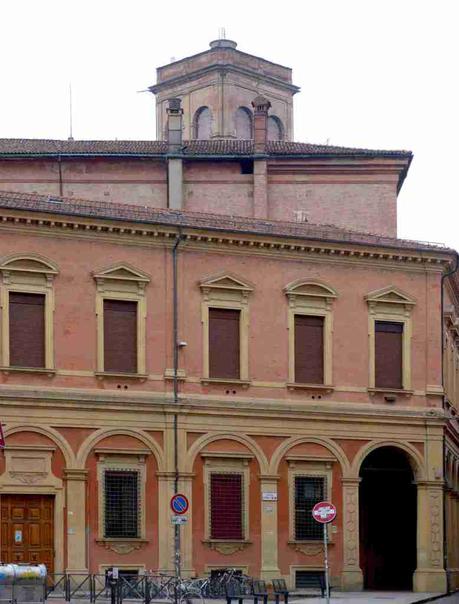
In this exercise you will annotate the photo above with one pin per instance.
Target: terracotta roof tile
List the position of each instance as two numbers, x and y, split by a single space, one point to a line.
229 147
214 222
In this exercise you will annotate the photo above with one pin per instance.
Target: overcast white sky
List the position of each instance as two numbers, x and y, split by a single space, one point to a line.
381 75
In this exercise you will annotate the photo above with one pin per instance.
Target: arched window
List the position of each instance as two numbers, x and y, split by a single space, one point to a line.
275 129
202 124
244 123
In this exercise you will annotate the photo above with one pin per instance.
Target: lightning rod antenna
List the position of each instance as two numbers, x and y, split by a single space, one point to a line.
70 114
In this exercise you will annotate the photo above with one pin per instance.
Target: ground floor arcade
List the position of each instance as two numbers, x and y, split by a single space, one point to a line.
60 490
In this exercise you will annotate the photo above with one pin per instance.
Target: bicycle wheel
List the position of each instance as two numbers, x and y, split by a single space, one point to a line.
191 597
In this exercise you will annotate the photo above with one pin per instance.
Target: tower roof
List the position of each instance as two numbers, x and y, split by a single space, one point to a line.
223 54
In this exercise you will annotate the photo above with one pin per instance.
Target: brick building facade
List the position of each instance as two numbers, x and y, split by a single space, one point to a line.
181 314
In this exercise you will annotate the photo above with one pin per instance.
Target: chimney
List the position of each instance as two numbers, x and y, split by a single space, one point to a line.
261 107
174 125
174 164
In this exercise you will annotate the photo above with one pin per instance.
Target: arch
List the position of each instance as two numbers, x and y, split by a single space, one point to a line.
208 438
243 123
102 433
275 129
414 457
202 124
50 433
329 444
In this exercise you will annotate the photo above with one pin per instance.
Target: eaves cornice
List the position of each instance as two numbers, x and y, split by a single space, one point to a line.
219 240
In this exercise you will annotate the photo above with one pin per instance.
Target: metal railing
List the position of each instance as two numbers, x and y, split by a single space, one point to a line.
148 588
102 587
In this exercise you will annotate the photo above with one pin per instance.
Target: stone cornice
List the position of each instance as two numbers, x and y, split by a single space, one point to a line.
217 240
84 400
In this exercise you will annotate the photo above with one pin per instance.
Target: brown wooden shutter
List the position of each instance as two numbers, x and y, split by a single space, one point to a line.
309 349
226 506
224 343
120 336
388 354
27 329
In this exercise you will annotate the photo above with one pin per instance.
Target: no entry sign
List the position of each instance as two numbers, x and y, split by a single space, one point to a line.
324 512
179 504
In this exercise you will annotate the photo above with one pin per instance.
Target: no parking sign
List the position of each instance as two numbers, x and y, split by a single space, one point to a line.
179 504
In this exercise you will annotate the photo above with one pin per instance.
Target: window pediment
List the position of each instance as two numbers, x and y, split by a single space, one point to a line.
309 293
28 265
390 295
114 276
228 282
124 272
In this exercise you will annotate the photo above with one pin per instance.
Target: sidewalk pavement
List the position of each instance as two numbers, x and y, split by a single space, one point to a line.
361 597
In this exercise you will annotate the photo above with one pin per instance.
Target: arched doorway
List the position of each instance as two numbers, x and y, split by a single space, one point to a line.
387 511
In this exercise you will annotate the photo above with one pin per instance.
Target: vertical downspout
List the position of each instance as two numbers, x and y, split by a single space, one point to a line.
445 539
61 186
176 397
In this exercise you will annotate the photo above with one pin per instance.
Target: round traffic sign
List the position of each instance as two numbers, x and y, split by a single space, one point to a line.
179 504
324 512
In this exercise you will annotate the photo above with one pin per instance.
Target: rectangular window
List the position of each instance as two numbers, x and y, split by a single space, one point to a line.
121 492
226 508
120 336
27 329
388 354
308 491
309 349
224 359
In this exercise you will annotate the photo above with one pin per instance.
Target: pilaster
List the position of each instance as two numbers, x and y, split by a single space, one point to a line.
352 576
430 575
76 520
166 528
269 535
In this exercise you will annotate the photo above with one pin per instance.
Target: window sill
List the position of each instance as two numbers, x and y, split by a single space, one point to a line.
226 381
310 547
310 542
123 545
36 370
227 546
125 376
169 374
390 391
313 387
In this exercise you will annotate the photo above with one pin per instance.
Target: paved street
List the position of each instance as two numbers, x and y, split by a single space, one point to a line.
337 598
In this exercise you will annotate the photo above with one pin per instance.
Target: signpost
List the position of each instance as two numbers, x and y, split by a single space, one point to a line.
179 505
325 512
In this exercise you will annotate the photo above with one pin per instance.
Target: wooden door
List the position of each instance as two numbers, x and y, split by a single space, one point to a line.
28 529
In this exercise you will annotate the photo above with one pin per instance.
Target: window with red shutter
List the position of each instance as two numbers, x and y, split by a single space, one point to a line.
226 506
27 329
224 343
309 349
120 336
388 354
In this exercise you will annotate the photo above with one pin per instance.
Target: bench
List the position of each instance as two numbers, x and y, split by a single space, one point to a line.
235 591
280 590
260 591
312 580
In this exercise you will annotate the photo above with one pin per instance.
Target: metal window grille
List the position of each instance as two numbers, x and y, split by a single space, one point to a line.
226 506
308 491
122 516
